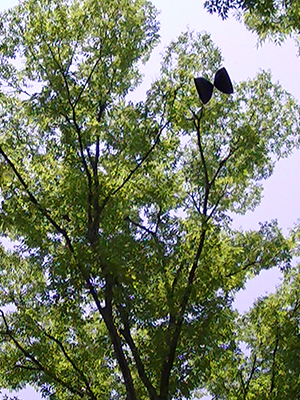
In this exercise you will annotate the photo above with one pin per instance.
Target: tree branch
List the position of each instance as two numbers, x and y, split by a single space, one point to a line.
106 313
84 163
61 71
142 227
35 361
251 373
77 129
197 120
107 318
221 165
133 171
250 264
139 363
178 322
192 196
27 367
33 199
167 367
243 384
88 78
216 204
68 358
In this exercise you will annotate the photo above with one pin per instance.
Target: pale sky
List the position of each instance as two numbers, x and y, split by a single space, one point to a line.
243 60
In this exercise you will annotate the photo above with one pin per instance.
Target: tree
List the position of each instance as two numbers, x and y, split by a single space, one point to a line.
270 19
268 365
126 264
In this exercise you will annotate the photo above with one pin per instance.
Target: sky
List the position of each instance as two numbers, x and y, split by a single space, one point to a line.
243 59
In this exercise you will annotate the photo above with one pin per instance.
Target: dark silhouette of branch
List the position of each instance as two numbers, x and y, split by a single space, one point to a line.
33 199
248 265
88 78
196 205
211 214
84 163
27 367
142 227
69 359
106 313
197 120
251 373
221 165
134 170
158 221
178 322
61 71
240 374
38 364
107 318
77 129
139 363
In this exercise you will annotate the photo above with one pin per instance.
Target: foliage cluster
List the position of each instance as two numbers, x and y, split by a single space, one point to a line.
126 265
270 19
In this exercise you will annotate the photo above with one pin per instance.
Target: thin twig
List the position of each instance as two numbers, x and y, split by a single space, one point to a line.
142 227
33 199
211 214
134 170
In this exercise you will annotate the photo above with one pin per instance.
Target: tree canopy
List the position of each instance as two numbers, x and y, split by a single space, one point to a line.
125 265
272 19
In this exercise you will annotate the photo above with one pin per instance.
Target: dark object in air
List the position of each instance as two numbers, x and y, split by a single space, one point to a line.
205 89
222 81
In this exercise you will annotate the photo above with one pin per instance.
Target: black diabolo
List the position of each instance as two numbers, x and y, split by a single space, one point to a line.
205 88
